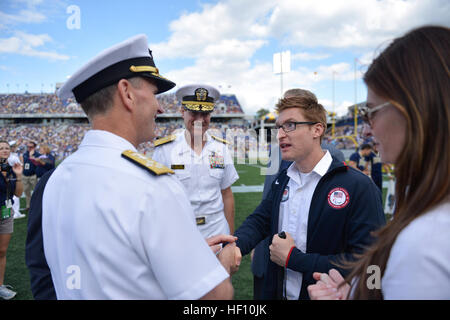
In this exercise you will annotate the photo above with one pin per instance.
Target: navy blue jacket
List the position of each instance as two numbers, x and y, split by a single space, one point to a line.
49 165
40 277
29 168
332 233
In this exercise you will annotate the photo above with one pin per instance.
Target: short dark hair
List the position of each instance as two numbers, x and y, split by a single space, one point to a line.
102 100
365 146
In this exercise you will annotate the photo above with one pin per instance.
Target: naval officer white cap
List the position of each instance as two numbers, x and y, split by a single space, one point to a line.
130 58
198 97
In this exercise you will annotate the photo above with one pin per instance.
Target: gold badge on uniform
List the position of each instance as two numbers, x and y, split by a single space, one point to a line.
177 166
200 221
216 161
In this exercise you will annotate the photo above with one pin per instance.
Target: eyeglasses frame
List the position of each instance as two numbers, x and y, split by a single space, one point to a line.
278 127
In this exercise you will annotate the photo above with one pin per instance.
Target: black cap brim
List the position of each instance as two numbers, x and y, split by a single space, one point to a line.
162 84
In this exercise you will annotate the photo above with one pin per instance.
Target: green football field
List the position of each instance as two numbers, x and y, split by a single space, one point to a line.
17 274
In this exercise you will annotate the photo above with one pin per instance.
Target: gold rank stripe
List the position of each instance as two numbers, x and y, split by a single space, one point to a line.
164 140
150 165
144 69
220 139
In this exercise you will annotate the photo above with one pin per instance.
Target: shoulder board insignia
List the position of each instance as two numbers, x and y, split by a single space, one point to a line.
164 140
148 164
220 139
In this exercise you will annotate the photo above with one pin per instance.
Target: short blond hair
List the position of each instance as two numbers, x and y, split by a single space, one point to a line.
307 102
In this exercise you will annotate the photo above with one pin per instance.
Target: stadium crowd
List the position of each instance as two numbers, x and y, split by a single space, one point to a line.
51 104
64 138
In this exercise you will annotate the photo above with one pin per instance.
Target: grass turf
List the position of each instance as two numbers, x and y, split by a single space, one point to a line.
16 273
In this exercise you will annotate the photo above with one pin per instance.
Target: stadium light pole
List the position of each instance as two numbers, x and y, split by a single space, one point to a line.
355 110
281 65
333 114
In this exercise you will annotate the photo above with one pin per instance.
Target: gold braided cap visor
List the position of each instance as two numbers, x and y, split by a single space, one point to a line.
198 106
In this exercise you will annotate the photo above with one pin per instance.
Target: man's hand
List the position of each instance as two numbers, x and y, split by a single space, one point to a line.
230 257
280 248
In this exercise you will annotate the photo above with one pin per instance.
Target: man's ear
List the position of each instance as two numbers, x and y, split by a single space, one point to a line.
318 130
126 93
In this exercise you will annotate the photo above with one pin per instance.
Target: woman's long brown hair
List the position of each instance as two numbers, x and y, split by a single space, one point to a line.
413 74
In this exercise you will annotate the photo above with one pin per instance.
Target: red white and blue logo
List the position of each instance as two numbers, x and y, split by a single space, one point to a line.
285 194
338 198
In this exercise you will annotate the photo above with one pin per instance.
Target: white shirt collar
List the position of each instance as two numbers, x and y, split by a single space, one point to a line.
320 168
102 138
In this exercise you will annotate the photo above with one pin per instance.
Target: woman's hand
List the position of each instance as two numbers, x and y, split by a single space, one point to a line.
326 287
18 169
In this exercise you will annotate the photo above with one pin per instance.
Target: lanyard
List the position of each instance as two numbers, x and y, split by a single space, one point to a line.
8 189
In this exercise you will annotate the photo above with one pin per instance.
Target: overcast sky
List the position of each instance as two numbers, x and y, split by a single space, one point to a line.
228 44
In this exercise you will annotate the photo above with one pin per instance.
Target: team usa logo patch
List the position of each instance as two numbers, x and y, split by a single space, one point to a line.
338 198
285 194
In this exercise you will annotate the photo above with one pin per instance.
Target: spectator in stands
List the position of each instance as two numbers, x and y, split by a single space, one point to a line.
375 166
29 171
10 185
12 160
407 114
358 159
45 162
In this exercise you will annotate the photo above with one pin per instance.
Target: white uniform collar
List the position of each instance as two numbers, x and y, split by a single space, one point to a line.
101 138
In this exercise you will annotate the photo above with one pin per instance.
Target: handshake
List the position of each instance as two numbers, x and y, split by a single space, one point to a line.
230 256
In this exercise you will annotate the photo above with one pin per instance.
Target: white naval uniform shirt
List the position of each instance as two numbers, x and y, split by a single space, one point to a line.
203 183
294 212
112 230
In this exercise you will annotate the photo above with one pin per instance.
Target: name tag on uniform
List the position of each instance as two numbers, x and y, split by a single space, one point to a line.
177 166
216 161
200 220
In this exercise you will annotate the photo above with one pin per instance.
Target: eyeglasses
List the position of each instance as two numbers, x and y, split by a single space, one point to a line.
291 125
367 114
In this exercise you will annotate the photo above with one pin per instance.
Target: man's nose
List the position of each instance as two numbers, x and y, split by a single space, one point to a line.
280 133
160 108
198 117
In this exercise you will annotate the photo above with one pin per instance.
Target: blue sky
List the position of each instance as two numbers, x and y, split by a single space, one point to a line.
228 44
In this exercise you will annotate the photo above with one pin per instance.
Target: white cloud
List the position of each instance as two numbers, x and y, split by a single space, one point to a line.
25 44
352 23
223 39
24 16
307 56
